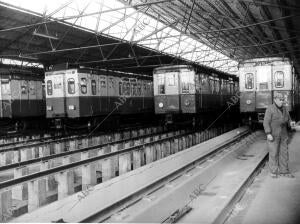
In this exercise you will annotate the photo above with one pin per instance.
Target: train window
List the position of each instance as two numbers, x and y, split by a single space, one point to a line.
145 91
111 83
139 89
231 87
94 87
71 86
226 86
236 87
126 88
102 82
5 86
83 85
161 84
185 83
217 85
150 87
133 89
211 85
249 81
279 79
171 79
49 88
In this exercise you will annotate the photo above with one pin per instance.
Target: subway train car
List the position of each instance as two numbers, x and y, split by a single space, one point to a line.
84 94
259 79
21 97
183 90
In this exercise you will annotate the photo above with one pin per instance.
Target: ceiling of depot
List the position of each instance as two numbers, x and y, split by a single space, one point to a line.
139 35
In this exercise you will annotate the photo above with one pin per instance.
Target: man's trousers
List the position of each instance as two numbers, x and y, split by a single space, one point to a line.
278 155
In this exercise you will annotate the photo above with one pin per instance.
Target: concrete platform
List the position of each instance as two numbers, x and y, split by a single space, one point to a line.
277 201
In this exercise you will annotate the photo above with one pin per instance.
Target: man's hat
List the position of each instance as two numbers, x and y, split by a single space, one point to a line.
278 95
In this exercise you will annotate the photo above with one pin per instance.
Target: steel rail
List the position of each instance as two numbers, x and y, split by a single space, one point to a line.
15 148
63 154
161 182
40 174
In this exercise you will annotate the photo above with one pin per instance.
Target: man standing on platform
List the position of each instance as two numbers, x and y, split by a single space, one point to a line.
276 121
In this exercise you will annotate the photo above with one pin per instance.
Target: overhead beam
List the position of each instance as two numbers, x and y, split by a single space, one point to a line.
63 19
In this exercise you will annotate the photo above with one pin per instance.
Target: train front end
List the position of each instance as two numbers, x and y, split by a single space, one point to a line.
260 79
166 90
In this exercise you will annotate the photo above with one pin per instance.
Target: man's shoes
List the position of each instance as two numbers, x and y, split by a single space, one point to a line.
273 175
288 175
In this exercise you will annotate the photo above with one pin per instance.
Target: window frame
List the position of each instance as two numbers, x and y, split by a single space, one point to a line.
49 89
94 87
161 85
82 84
169 79
102 82
126 88
68 81
276 78
246 81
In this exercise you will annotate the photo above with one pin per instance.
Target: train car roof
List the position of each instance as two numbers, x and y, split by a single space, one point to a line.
104 72
205 71
261 61
19 74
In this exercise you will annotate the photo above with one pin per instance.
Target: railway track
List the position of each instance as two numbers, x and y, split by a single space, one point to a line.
36 148
128 142
114 160
115 203
19 139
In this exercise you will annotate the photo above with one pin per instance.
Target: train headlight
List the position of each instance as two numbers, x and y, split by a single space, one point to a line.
248 102
160 105
49 108
71 107
186 102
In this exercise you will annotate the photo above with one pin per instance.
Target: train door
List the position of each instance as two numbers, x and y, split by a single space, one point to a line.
263 87
32 99
84 95
172 88
283 82
94 94
217 92
187 91
40 95
126 92
140 103
24 97
147 95
72 93
58 94
247 78
6 98
111 92
103 94
166 92
212 96
204 91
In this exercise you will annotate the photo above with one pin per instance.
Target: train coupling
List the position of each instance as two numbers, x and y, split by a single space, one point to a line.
58 124
169 119
260 117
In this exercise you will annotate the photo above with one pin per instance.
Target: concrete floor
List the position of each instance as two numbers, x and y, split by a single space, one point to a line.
278 200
